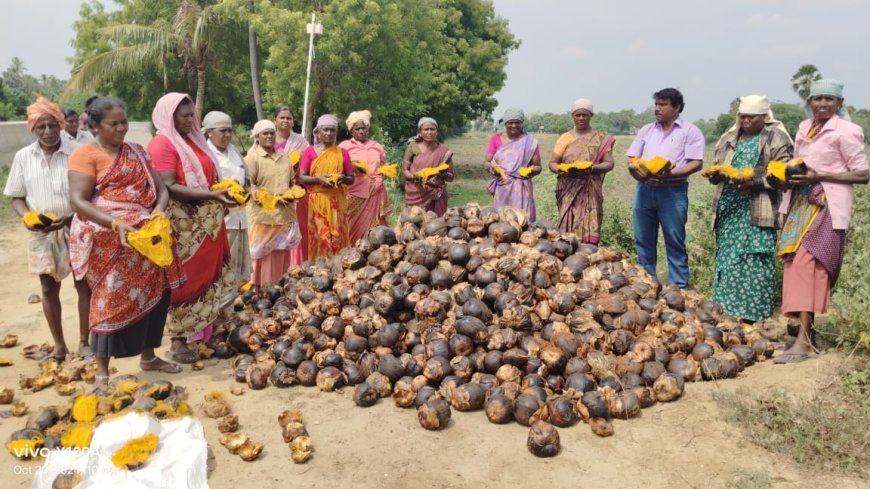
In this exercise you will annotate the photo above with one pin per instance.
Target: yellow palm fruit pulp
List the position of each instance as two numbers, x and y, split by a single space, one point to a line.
781 171
658 164
390 170
498 169
78 435
712 170
84 408
24 443
293 193
37 220
154 241
236 191
136 452
426 173
362 166
334 178
267 200
295 157
638 165
525 171
574 165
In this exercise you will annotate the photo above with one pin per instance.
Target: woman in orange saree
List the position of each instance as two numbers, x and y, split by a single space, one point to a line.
325 170
424 151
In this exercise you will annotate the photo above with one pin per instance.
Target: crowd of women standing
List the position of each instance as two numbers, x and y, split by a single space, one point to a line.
115 187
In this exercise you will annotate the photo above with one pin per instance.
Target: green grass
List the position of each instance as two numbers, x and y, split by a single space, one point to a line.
7 213
825 426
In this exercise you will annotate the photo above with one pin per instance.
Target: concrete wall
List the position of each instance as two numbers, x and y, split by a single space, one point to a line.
14 136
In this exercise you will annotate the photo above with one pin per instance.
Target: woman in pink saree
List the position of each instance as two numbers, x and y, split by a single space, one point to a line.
508 156
367 202
424 151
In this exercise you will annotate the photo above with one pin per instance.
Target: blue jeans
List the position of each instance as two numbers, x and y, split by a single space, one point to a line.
669 207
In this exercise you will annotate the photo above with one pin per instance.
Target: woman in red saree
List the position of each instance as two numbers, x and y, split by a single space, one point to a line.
367 202
188 168
424 151
325 170
289 142
579 194
114 190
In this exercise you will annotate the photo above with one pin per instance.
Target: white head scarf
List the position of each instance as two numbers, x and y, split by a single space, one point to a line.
754 105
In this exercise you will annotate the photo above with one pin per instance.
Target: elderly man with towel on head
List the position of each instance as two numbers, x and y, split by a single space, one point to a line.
38 183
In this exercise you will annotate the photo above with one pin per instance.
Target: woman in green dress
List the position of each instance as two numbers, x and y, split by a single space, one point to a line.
745 217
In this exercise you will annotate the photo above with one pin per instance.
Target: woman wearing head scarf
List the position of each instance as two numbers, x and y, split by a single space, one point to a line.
326 170
507 154
367 201
424 151
818 209
114 191
273 232
745 219
289 142
188 168
218 129
38 182
579 193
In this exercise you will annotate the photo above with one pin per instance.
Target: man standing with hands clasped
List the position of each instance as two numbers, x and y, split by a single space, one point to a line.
663 199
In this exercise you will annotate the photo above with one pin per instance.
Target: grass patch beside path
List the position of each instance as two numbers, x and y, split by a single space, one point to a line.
7 213
828 428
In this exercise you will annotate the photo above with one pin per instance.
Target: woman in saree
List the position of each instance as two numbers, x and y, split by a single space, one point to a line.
424 151
114 190
325 170
273 233
579 195
507 154
745 218
818 209
288 142
188 168
367 202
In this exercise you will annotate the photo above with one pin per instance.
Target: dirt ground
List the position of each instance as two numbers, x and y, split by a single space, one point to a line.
684 444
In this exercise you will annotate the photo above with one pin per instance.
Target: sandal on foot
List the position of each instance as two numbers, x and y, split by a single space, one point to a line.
165 367
792 358
186 357
85 351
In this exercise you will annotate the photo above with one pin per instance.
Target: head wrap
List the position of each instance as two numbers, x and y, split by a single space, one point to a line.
263 125
216 120
754 105
827 86
363 116
833 88
41 107
164 121
426 120
324 121
514 115
582 103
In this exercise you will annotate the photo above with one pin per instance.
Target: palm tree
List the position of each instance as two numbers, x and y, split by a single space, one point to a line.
190 37
803 79
255 71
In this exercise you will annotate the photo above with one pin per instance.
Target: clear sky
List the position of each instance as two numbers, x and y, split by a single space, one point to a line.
614 52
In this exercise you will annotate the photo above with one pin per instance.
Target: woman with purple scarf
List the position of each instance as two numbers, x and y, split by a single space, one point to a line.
513 158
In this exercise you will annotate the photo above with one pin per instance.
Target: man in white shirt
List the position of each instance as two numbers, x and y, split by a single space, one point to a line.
218 129
38 182
71 130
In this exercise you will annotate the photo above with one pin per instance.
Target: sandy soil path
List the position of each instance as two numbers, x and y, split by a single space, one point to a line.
684 444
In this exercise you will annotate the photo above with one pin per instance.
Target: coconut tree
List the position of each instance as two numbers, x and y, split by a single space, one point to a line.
189 36
803 79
